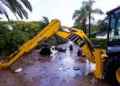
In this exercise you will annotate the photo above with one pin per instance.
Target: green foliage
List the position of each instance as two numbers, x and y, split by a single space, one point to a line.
60 40
101 42
77 25
4 34
51 40
4 37
29 27
55 40
12 39
92 35
44 22
97 27
84 14
17 7
17 38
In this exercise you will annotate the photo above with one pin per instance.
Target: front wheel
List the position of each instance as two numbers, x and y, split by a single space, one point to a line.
112 71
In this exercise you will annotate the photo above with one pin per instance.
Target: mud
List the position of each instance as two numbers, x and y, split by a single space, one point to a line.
50 71
4 58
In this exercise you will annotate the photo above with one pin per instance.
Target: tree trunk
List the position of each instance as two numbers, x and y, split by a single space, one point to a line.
84 25
79 25
89 26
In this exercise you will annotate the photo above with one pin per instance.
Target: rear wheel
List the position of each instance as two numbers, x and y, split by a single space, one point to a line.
118 74
112 71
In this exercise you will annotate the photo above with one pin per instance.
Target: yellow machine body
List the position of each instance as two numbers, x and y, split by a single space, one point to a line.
94 55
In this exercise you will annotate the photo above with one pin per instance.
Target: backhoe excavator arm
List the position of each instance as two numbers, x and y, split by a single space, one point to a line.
48 31
79 38
75 35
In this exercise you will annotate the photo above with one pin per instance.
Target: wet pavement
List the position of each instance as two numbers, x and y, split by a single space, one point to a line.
57 70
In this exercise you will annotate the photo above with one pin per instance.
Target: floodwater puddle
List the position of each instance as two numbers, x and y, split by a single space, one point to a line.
56 70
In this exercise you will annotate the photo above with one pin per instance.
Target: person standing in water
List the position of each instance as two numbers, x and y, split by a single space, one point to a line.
71 47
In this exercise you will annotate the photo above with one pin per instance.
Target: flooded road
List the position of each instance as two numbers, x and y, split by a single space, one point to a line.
57 70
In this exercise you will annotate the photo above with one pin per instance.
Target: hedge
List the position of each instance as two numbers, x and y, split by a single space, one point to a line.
12 39
101 42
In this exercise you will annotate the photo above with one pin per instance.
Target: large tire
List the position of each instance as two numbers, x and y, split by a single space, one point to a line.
110 71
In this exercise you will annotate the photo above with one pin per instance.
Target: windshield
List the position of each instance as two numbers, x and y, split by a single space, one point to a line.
114 31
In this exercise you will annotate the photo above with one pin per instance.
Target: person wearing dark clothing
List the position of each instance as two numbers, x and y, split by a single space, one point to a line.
71 47
79 53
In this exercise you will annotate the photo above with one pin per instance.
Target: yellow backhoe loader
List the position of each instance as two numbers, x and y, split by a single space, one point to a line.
107 61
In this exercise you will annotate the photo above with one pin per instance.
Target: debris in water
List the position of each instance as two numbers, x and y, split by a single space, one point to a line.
60 68
91 73
83 55
61 49
76 68
45 51
64 68
18 70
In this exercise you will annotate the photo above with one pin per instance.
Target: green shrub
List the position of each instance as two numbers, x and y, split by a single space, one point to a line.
60 40
4 37
12 39
29 27
92 35
55 40
51 40
101 42
17 38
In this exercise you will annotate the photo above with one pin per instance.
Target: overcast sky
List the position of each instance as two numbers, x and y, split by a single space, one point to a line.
64 9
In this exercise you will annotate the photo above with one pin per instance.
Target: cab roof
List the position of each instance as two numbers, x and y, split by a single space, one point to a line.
113 10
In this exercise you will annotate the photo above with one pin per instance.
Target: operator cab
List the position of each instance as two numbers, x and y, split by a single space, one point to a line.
113 37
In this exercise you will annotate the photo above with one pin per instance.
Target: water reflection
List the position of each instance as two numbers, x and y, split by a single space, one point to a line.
69 61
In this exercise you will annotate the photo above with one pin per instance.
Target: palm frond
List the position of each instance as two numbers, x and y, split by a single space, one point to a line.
21 10
92 18
91 2
8 5
97 11
17 8
76 14
45 20
3 11
5 3
84 3
27 4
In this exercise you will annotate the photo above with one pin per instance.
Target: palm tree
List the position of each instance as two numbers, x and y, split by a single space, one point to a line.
76 25
90 11
102 25
44 22
16 6
86 12
80 17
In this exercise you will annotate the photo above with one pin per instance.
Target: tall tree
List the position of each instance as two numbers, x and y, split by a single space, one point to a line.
88 5
44 22
16 6
86 13
80 17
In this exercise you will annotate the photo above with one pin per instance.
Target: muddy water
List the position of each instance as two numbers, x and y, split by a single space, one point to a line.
50 71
